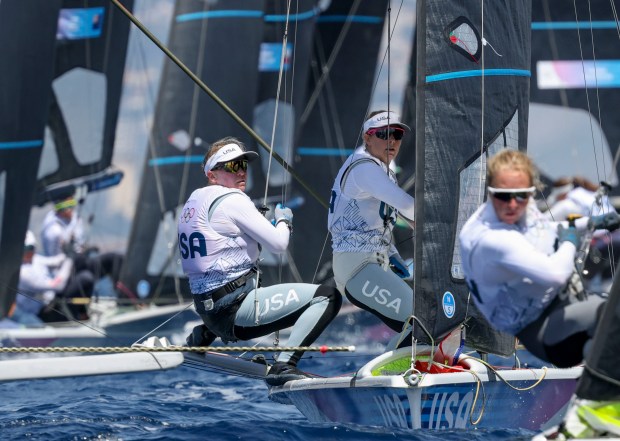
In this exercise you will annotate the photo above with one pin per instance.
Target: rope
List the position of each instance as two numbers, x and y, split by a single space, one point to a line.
127 349
496 372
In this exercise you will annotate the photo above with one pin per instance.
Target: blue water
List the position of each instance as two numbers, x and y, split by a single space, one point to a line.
183 404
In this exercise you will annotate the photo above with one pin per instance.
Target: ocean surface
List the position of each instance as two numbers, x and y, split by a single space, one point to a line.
189 404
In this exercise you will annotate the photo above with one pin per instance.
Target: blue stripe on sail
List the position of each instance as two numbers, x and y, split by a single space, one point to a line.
566 25
323 151
294 17
219 14
21 144
172 160
354 18
478 73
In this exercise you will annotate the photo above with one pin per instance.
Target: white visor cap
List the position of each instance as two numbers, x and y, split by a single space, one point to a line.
229 152
384 119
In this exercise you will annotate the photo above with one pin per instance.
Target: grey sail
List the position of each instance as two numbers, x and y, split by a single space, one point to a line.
346 46
470 103
219 41
91 44
27 37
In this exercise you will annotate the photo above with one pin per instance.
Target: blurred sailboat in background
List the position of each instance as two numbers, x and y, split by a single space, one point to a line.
79 104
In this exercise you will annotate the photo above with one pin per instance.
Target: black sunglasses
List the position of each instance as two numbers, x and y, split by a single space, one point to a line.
233 166
506 196
385 133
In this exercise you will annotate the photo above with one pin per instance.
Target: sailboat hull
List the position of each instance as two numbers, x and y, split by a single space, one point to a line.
114 330
438 401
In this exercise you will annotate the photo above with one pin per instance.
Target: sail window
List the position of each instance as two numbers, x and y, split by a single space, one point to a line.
464 38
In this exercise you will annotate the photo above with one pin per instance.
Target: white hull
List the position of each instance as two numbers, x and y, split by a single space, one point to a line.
76 366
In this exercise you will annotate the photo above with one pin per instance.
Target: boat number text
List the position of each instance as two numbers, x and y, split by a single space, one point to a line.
450 410
392 411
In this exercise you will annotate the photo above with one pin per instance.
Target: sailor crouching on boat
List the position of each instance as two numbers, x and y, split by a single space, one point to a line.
365 202
519 265
220 235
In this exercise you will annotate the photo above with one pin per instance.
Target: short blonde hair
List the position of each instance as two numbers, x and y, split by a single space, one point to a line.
513 160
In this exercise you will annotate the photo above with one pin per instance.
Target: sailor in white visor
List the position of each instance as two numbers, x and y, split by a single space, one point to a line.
220 237
366 200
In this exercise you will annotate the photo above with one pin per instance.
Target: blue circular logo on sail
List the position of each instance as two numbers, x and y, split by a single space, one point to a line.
448 303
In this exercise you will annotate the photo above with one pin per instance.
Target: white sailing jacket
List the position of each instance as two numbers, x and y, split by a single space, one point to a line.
57 233
513 271
219 234
364 202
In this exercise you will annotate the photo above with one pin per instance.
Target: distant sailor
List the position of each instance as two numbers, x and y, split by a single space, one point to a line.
63 232
42 279
365 202
519 267
220 236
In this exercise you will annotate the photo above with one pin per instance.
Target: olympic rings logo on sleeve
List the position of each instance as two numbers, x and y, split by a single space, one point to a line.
188 213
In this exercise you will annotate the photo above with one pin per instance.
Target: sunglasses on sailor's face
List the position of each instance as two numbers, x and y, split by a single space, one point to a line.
233 166
520 195
385 133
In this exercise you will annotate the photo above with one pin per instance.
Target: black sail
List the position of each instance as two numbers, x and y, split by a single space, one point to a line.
219 41
28 39
469 104
89 64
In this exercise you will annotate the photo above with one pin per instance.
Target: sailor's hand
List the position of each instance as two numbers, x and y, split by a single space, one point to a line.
569 234
609 222
283 214
399 267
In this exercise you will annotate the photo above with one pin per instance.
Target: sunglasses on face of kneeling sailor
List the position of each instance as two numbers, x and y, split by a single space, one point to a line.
506 194
384 133
233 166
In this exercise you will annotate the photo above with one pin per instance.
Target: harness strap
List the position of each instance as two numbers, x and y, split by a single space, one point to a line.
218 200
355 163
217 294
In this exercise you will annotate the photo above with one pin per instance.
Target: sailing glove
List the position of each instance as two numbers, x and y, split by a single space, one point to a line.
283 214
399 267
569 234
609 222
